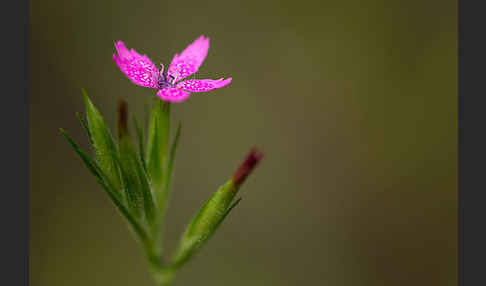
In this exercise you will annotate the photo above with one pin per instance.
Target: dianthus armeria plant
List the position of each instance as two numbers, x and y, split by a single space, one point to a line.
136 174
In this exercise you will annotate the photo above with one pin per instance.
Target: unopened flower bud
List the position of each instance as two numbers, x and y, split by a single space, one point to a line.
122 119
247 167
212 213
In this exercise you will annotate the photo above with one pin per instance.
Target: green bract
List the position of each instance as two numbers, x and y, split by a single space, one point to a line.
206 221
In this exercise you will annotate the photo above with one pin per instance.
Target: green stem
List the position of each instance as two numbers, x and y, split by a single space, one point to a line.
163 276
157 164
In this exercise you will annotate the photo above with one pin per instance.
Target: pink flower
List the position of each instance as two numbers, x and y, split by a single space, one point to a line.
141 71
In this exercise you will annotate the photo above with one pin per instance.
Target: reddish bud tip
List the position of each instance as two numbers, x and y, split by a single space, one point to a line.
122 118
252 159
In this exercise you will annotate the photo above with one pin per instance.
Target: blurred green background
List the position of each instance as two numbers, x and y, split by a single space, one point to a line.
354 103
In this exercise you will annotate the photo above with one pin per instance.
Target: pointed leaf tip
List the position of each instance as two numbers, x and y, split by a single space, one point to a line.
85 126
231 207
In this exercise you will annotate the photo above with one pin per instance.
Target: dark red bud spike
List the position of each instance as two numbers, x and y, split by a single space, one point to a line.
122 118
252 159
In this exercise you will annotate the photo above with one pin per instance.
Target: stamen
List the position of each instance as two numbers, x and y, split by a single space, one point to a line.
175 78
172 79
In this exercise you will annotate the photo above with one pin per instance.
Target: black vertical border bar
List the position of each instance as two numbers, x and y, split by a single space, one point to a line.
14 118
460 135
472 143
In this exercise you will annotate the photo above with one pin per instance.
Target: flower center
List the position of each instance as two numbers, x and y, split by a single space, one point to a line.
165 80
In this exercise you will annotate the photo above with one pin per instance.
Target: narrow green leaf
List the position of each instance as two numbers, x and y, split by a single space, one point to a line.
139 230
170 163
93 167
168 177
90 164
141 143
103 144
138 182
145 180
131 181
148 201
85 126
112 192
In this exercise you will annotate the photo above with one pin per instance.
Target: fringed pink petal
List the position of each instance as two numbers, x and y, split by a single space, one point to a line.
173 94
138 68
189 61
201 85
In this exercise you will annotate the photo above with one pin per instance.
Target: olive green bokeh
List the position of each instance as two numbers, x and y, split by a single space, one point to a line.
354 103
